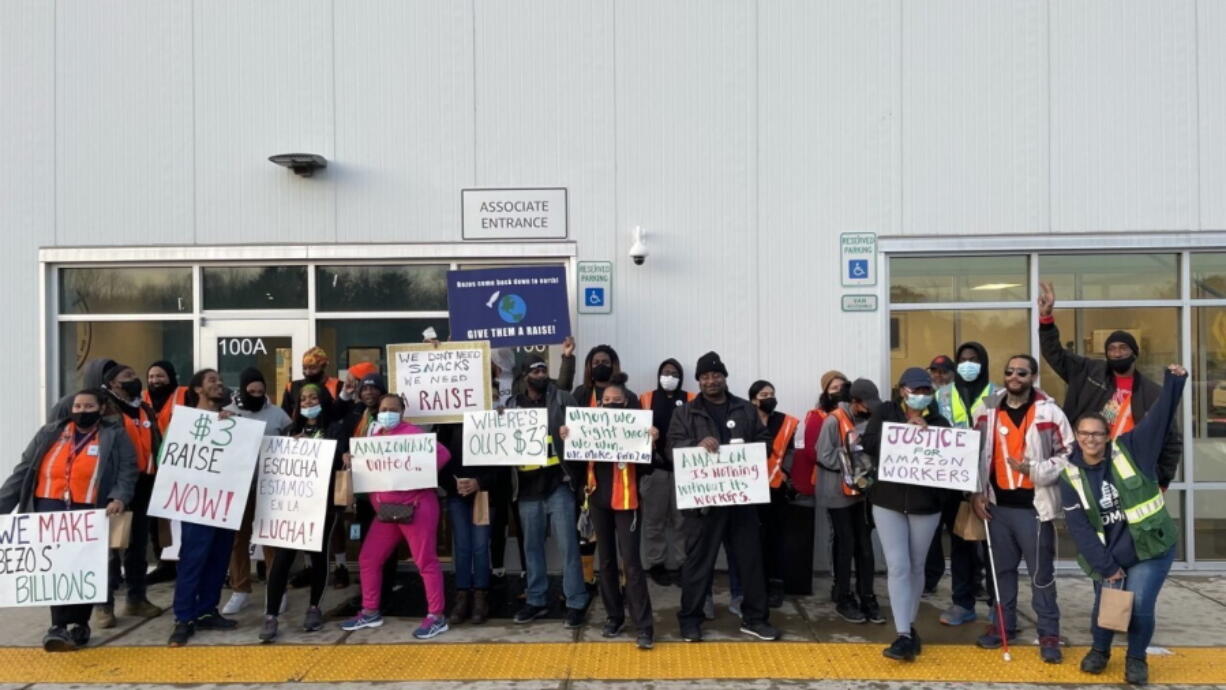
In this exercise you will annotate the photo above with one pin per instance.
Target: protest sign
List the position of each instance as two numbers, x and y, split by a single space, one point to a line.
605 434
509 307
512 438
940 457
51 559
440 383
205 468
736 475
291 499
394 463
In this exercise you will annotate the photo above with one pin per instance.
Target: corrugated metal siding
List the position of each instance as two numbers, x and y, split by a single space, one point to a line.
1211 68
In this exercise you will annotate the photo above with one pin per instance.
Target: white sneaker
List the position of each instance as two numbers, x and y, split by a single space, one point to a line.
237 602
284 602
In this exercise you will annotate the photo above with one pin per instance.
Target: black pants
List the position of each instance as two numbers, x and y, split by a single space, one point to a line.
965 565
704 533
773 517
618 531
283 562
853 542
69 614
502 514
134 560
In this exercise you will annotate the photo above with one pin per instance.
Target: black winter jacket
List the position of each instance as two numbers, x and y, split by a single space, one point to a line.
903 498
692 423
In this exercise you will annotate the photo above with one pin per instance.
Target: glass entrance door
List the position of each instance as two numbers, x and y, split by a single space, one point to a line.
274 347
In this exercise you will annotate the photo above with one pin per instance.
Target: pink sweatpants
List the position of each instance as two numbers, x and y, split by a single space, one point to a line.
422 536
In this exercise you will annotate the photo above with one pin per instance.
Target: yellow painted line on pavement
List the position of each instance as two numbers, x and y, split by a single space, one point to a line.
579 661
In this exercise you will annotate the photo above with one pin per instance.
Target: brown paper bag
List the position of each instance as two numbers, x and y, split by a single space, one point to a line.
342 494
121 530
481 508
968 525
1114 608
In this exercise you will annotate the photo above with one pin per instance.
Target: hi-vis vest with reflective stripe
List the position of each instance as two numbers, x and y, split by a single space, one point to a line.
779 448
962 414
625 494
1152 529
553 457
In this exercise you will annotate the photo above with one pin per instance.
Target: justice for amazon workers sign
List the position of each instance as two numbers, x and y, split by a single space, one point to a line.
736 475
512 438
933 456
607 434
292 497
394 463
440 383
205 467
50 559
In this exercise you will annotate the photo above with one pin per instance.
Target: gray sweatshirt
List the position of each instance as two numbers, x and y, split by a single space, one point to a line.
276 422
830 480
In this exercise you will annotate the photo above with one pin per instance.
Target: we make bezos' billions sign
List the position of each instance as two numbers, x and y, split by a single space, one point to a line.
929 456
514 214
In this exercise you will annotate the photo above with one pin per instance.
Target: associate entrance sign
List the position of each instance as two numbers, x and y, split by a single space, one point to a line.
292 498
736 475
939 457
205 468
513 214
440 383
52 559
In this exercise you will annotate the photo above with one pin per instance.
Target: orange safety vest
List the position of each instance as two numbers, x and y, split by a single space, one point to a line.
1011 442
69 471
646 398
779 448
625 485
179 397
846 426
1123 419
140 431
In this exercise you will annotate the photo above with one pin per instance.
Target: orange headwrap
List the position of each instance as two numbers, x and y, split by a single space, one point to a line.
315 357
361 370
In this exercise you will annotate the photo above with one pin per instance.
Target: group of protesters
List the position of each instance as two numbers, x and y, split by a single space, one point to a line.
1100 460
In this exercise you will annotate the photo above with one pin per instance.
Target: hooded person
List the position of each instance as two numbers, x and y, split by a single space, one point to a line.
314 370
599 367
163 392
972 383
92 378
662 523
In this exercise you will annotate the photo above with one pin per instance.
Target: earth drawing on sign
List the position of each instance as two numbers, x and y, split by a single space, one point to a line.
512 308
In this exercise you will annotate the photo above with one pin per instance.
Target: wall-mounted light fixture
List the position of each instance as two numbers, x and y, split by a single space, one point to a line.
303 164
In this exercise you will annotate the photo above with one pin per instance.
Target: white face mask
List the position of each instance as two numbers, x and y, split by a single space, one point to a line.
969 371
669 383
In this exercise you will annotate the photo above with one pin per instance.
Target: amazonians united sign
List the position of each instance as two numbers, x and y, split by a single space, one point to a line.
509 307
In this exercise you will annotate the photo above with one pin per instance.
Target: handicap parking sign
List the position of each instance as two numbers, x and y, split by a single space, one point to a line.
857 269
593 296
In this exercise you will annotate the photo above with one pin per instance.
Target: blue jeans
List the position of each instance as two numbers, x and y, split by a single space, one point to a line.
559 513
1144 580
471 549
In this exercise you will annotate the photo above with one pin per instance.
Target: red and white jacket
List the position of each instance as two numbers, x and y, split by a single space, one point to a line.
1049 440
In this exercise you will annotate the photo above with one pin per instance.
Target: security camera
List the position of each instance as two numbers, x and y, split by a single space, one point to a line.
303 164
638 251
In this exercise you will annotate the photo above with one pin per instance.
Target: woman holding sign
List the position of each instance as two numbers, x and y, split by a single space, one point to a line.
79 462
411 516
906 515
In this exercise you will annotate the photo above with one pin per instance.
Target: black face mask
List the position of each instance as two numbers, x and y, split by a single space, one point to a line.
132 388
159 389
254 403
602 372
538 384
768 405
85 420
316 377
1121 364
615 406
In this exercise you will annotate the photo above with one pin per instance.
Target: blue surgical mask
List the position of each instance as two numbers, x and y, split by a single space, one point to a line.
969 371
917 401
388 420
312 412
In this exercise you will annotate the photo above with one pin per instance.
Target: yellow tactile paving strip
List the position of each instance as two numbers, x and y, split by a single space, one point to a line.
581 661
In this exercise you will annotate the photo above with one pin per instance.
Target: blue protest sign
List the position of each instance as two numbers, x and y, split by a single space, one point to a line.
509 307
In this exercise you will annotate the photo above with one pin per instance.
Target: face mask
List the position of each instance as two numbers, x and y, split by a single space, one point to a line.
158 388
315 378
538 385
616 405
85 420
969 371
254 403
312 412
669 383
388 420
767 405
918 402
1122 364
602 372
132 388
844 394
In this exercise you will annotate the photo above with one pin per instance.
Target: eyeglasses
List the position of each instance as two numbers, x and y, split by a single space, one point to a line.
1092 434
1020 373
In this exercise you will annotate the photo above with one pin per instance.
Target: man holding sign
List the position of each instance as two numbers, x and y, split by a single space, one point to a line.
1026 441
713 421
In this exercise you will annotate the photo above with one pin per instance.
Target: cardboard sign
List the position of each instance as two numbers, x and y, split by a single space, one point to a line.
291 499
933 456
736 475
439 384
509 307
608 435
205 467
51 559
394 463
516 437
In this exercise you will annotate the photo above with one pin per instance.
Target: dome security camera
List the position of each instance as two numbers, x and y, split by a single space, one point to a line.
638 251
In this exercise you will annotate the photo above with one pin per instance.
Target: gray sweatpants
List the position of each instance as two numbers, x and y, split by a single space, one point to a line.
1017 534
663 538
905 540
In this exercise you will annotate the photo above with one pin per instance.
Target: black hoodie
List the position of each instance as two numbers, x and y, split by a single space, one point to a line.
665 403
970 391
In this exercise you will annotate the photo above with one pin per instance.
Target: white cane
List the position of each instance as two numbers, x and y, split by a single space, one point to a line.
1000 611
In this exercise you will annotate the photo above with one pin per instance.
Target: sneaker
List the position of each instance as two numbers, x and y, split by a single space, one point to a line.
529 613
214 621
1095 661
268 633
901 650
182 632
340 577
238 601
1136 671
364 619
314 621
645 641
734 606
1049 649
761 630
612 628
79 634
991 638
849 610
708 608
871 609
916 643
58 640
956 615
691 632
659 575
431 626
575 618
104 617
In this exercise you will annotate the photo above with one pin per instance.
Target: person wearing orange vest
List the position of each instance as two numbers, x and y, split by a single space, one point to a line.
662 524
80 461
612 496
123 398
773 515
314 370
804 460
163 392
1025 441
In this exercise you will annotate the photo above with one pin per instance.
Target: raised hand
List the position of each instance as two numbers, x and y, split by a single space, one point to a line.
1047 299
